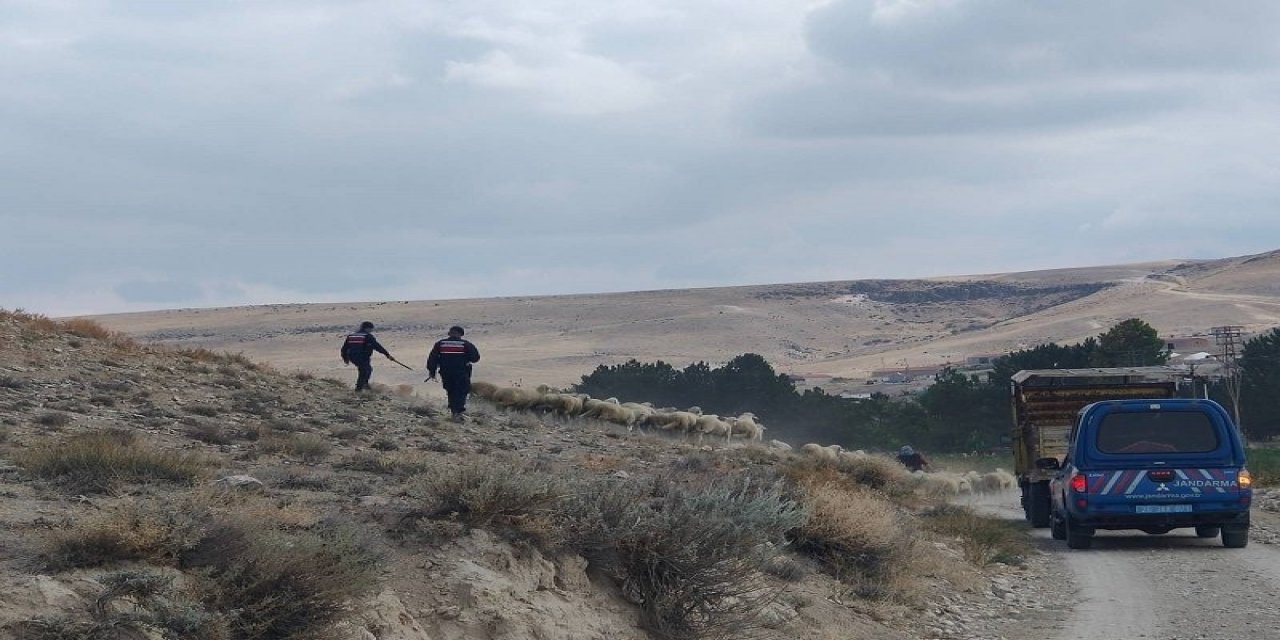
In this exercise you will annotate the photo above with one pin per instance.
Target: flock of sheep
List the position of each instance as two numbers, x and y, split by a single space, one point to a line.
693 421
628 414
938 483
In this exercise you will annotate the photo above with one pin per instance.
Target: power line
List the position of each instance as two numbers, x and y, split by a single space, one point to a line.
1228 338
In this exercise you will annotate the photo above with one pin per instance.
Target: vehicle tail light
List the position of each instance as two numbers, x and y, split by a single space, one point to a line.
1079 483
1244 479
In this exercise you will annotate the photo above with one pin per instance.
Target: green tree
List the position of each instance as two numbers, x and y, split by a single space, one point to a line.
1131 343
1046 356
655 381
964 413
1260 385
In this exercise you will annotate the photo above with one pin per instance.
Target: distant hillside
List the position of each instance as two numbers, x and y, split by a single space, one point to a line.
844 328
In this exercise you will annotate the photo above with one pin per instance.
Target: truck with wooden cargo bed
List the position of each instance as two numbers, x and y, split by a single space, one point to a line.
1045 406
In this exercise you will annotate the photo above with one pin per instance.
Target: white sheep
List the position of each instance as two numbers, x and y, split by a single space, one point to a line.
746 426
642 412
561 404
681 421
998 480
938 483
831 452
850 456
609 411
515 398
481 389
712 425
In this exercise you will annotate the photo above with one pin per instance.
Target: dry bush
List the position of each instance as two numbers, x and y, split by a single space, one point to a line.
204 410
276 585
202 355
209 433
511 498
874 472
692 556
267 571
308 447
877 472
91 329
599 462
101 461
370 462
347 433
10 382
150 608
293 477
151 533
52 419
102 400
286 425
347 416
860 538
385 443
786 569
983 539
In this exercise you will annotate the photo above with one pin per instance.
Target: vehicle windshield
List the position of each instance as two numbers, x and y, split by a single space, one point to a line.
1156 432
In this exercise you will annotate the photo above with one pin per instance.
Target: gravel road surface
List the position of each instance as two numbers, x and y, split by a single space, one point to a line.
1132 585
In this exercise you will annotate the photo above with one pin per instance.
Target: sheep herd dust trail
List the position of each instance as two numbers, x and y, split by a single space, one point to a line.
1135 586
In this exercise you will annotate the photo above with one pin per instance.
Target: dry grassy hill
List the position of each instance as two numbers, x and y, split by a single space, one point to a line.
836 328
153 492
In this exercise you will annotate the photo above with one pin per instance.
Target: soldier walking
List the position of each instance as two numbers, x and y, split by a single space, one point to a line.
453 357
358 348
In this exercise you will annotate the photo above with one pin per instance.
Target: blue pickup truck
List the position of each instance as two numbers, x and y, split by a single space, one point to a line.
1151 465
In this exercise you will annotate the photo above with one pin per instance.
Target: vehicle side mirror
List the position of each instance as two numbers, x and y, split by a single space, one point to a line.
1048 464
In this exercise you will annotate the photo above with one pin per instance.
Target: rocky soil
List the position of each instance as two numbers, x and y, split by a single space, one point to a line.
314 450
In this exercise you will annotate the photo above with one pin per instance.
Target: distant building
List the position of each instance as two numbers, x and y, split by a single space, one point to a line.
1192 344
850 395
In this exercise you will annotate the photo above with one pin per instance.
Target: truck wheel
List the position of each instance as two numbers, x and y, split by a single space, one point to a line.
1038 505
1207 531
1235 538
1077 538
1057 526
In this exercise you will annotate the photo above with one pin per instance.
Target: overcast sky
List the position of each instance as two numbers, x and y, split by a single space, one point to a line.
175 154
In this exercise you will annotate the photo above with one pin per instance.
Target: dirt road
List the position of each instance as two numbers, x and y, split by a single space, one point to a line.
1132 585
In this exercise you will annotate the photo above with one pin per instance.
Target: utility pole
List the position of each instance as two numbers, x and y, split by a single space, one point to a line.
1228 339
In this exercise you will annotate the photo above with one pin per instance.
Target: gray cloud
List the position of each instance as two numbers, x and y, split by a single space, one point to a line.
235 153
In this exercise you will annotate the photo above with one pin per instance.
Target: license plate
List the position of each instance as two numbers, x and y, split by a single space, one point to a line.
1162 508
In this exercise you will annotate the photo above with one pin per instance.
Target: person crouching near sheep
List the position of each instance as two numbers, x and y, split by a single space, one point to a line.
911 459
453 358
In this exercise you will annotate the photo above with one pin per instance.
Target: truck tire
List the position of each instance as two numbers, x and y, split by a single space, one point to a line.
1038 504
1077 537
1207 531
1057 526
1235 538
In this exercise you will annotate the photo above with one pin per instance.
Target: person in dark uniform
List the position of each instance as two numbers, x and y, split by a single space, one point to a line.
453 357
357 349
911 459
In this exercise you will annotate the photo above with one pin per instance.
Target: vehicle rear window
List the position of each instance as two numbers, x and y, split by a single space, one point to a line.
1157 432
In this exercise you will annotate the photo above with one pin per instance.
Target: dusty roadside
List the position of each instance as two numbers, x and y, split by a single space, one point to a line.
1136 586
